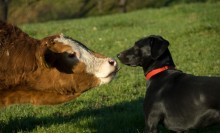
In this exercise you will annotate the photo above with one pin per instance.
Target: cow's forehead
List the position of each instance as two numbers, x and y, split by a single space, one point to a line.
89 58
76 45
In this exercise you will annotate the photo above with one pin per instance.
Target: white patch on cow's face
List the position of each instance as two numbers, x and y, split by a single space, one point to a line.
103 68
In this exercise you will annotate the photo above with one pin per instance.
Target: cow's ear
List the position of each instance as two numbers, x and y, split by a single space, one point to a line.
48 55
53 45
48 41
158 46
58 47
50 44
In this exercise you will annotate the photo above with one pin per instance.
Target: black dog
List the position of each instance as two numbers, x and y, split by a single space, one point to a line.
177 100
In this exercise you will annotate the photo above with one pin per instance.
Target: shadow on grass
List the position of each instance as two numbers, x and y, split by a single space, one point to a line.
126 117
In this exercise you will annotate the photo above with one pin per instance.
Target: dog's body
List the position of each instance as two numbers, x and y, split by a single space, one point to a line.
179 101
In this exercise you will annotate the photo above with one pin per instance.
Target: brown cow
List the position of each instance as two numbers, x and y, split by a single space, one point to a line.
50 71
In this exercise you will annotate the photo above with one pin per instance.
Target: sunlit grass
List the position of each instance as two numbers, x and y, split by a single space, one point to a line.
193 32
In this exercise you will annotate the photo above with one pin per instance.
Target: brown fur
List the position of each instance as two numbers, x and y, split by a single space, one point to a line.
25 77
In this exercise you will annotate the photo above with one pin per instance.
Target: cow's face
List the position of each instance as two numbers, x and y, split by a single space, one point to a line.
72 57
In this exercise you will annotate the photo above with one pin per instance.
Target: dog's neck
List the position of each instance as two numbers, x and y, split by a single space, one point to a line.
157 71
164 62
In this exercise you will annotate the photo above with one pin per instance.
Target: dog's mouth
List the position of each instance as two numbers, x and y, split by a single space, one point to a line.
131 65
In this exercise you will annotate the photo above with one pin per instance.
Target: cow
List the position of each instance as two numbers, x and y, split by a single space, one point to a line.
53 70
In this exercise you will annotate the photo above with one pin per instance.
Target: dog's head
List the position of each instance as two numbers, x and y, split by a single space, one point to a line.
145 51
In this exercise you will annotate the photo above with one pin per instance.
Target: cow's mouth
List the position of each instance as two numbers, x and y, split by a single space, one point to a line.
113 73
109 77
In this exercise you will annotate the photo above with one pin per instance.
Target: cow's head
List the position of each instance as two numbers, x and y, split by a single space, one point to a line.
53 70
72 57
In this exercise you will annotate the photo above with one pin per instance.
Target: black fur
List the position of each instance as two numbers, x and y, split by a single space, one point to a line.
178 100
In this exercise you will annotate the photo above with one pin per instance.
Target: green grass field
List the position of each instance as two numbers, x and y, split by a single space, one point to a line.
193 32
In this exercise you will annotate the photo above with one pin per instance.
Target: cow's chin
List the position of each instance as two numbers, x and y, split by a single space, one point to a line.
108 77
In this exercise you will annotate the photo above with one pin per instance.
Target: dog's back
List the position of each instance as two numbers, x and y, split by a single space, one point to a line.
186 101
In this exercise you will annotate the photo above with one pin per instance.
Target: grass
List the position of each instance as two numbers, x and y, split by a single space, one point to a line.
193 32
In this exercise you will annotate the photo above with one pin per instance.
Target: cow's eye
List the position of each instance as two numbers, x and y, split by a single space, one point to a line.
72 55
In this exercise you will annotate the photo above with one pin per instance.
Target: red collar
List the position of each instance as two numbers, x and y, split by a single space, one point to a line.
156 71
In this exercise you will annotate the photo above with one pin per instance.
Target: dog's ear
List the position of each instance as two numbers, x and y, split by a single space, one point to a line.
158 46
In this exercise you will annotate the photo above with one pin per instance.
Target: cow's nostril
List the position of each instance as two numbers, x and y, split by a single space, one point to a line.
112 62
